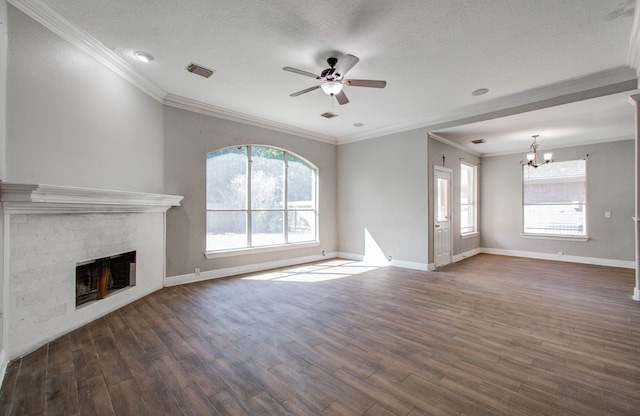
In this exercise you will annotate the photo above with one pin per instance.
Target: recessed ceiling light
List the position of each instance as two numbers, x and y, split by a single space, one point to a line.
358 124
480 91
143 56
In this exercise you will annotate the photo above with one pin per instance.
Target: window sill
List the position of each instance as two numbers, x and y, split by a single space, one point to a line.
581 239
255 250
469 235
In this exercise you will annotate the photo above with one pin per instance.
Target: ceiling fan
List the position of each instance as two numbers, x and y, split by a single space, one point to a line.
333 80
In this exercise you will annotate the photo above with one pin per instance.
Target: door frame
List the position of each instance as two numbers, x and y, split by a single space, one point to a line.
435 210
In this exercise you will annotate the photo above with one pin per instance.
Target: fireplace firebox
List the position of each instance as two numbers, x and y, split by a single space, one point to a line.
97 278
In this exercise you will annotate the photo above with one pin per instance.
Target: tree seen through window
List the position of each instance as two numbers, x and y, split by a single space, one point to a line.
256 199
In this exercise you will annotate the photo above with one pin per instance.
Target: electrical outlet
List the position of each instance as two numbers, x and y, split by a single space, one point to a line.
607 214
323 253
389 258
197 272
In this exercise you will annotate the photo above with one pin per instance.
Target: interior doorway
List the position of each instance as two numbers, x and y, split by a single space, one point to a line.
442 216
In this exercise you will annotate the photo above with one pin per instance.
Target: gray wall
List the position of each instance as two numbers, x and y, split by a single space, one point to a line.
453 157
3 87
383 190
188 138
71 121
3 155
610 187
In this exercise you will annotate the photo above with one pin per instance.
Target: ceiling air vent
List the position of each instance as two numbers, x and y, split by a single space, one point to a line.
329 114
478 141
200 70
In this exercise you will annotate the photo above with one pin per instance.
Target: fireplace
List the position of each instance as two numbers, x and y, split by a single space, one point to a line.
97 278
50 234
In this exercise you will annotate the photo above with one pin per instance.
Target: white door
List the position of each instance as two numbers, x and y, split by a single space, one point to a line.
442 216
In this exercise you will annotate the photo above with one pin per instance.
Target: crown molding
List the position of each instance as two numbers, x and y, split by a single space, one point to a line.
591 86
210 110
613 81
94 48
87 44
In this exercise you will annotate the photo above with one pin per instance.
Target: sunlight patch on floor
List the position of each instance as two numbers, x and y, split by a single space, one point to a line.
317 272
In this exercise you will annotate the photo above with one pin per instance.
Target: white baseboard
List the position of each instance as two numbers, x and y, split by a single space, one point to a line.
252 268
350 256
555 257
249 268
410 265
382 263
458 257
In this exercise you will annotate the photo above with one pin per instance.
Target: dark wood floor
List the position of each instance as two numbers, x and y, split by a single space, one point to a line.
490 335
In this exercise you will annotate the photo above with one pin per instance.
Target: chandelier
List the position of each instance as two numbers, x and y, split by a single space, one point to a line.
532 157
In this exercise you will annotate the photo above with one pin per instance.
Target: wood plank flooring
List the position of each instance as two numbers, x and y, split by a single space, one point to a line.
489 335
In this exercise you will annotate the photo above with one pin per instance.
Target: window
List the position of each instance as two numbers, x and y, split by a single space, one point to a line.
468 196
555 199
259 196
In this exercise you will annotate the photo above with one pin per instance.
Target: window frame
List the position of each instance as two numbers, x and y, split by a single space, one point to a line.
550 236
473 204
285 210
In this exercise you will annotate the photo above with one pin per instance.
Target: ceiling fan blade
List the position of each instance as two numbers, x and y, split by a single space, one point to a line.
301 72
342 98
346 63
365 83
295 94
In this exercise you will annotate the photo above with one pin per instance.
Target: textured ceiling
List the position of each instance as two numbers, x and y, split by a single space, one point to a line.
432 54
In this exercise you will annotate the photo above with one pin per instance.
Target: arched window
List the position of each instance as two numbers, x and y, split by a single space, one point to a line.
259 196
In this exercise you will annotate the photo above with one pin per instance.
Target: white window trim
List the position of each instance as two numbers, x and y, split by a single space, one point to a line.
255 250
475 232
556 237
471 234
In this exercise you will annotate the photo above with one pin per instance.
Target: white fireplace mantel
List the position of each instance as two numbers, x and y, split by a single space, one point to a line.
54 199
46 231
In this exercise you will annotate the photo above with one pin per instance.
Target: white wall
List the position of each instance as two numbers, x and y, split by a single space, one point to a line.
382 191
610 187
71 121
188 138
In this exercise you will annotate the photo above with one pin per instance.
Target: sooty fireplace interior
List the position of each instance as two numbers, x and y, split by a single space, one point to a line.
95 279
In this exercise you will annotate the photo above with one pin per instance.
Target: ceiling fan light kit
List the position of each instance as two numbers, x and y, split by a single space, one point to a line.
333 81
331 87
